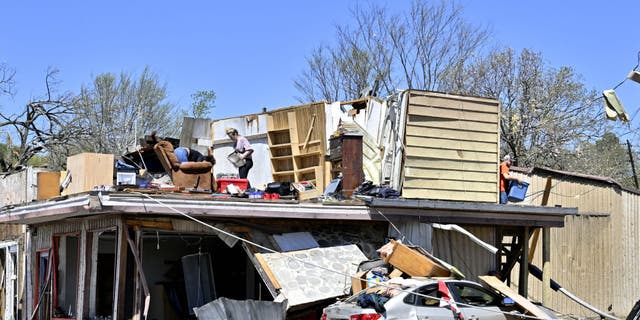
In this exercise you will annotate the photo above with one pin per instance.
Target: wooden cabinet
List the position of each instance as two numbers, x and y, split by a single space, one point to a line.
345 154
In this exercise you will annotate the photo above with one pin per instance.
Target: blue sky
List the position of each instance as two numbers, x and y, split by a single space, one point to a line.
249 52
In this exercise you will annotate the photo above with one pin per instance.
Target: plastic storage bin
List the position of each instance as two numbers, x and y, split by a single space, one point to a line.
125 178
517 192
223 183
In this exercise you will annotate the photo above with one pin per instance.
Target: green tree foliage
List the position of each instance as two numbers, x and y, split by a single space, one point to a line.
383 51
546 112
203 104
118 109
606 157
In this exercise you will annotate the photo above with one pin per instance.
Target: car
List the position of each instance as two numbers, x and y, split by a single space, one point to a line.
473 302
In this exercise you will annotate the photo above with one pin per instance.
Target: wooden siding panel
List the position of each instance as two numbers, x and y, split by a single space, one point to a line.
454 124
418 131
439 184
456 195
448 164
461 155
457 103
452 145
464 145
452 113
449 174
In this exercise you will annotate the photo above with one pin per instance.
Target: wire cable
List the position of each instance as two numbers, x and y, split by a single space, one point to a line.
318 266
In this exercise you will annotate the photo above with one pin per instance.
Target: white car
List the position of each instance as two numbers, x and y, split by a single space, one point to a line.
473 301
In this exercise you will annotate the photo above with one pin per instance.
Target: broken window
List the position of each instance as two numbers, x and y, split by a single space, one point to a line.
9 280
102 273
65 275
43 272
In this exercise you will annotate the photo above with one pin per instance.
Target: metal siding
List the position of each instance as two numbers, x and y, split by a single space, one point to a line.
596 255
456 249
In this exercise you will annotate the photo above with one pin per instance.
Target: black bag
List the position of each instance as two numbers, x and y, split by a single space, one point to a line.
281 188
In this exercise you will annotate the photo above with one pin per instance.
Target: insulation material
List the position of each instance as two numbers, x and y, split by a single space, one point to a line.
306 282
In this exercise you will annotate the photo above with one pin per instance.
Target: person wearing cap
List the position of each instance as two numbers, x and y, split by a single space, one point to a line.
505 176
244 150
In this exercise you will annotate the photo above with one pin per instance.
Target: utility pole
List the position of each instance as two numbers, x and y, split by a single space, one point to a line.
633 165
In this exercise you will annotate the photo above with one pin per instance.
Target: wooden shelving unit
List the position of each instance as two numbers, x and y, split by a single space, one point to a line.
296 139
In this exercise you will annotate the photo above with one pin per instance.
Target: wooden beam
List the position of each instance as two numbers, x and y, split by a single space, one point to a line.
167 225
268 271
121 273
143 279
546 266
523 281
536 234
520 300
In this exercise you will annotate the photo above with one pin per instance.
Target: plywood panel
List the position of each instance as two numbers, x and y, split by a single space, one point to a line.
449 174
449 154
452 114
48 184
455 124
451 144
89 170
451 134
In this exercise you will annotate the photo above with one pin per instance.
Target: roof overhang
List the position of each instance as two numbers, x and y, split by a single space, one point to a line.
372 210
480 213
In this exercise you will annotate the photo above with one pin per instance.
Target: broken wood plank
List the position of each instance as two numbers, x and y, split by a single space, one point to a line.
268 271
495 283
143 279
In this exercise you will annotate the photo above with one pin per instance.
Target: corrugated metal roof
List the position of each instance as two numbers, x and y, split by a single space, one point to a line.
582 176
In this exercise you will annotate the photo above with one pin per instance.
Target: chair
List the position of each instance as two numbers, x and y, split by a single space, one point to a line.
186 174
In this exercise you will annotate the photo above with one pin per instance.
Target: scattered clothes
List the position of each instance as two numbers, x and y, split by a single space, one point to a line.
373 300
367 188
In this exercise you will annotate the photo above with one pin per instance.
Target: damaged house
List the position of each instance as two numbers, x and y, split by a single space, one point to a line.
125 253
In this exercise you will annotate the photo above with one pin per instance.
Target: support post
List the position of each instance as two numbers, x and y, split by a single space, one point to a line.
633 165
523 282
546 266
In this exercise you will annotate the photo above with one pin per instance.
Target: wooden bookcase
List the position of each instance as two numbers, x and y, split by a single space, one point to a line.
296 138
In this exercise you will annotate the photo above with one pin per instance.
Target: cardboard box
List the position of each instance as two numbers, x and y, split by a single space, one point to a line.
359 282
414 263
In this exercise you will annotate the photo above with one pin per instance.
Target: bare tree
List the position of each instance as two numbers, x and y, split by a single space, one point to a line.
117 110
385 52
6 79
45 125
546 112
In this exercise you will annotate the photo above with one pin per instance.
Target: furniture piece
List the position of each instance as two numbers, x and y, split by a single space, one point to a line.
345 154
186 174
296 138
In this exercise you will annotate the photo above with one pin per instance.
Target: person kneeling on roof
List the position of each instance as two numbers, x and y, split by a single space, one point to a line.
191 155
